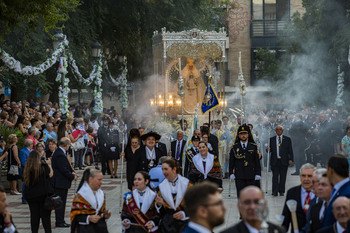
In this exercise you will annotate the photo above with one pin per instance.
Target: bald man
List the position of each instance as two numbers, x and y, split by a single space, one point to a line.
248 202
63 175
341 212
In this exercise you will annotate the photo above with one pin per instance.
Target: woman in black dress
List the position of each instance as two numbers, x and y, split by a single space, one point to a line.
36 175
129 157
13 159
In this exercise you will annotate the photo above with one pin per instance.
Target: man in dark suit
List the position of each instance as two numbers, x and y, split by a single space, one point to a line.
316 213
102 138
177 147
341 212
146 157
338 175
247 204
63 175
298 133
205 207
303 195
281 157
162 148
244 160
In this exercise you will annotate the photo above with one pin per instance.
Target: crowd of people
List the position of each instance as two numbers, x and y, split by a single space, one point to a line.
46 149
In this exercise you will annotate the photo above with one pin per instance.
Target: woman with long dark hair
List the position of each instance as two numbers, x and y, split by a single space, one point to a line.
139 214
89 211
170 201
36 175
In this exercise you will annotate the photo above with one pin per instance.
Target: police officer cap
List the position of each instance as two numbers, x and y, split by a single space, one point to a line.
195 138
105 118
150 134
243 129
110 123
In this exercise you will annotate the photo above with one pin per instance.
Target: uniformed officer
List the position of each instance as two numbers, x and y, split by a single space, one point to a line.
190 153
244 160
112 149
102 144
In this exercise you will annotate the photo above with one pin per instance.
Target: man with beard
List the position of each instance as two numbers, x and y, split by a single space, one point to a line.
205 207
248 203
338 175
303 195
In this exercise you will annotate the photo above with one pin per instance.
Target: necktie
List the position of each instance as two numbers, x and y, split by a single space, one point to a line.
141 193
279 146
243 146
204 163
178 151
307 202
324 209
96 200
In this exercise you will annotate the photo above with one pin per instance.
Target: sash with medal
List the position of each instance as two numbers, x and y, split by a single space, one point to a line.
135 211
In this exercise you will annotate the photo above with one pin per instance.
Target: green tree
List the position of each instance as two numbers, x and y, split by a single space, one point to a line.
33 14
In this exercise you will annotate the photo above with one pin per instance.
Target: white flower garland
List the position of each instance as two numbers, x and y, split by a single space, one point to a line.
16 65
98 108
339 102
63 91
123 89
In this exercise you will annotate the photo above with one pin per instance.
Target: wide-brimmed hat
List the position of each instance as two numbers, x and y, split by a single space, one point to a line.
150 134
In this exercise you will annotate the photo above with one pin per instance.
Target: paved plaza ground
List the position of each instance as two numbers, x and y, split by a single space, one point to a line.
111 187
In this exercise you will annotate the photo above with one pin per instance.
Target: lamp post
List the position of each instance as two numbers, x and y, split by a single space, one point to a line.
181 92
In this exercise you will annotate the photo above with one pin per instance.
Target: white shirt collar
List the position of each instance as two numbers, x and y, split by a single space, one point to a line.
340 229
250 228
150 154
338 185
63 150
198 227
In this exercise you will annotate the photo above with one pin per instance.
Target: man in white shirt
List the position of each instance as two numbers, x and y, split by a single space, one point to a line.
205 207
341 212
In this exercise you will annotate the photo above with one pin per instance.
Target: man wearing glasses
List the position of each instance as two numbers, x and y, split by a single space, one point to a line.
205 207
249 200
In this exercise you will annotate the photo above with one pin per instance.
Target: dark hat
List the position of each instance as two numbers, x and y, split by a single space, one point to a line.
105 118
195 138
243 129
180 122
110 123
150 134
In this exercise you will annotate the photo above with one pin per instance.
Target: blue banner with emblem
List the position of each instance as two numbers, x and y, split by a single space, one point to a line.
210 99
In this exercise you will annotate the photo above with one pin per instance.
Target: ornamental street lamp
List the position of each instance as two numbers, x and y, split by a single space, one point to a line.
96 49
181 92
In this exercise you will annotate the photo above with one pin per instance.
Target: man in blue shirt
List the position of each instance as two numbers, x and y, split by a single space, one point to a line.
49 133
23 156
156 173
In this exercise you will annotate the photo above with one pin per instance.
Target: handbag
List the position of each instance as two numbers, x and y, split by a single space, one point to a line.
53 202
13 168
77 145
